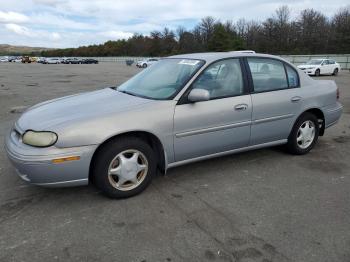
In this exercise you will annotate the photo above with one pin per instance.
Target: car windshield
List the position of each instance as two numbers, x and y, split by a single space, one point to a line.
163 80
314 62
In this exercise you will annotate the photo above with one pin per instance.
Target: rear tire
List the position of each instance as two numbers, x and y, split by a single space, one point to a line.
304 134
317 72
335 72
124 167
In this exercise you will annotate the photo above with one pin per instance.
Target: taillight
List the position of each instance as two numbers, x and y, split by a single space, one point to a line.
338 93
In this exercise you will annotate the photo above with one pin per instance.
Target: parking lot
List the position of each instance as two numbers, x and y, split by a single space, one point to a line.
262 205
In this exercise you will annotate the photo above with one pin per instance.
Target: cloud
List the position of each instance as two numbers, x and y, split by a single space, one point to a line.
12 17
72 23
20 30
48 2
60 21
116 34
55 36
24 31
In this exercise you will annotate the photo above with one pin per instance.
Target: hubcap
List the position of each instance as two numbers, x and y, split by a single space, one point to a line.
127 170
306 134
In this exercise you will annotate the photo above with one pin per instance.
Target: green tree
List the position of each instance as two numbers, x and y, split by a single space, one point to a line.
223 40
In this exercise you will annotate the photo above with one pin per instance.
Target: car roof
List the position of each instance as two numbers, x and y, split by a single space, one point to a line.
213 56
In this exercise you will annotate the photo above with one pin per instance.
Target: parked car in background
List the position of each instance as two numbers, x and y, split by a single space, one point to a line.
4 59
147 62
319 67
90 61
26 59
72 60
52 60
41 60
202 106
11 58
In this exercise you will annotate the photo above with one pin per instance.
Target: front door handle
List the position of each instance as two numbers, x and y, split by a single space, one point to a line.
241 107
295 99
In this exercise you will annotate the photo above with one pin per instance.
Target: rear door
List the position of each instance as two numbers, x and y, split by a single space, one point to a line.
332 66
220 124
275 97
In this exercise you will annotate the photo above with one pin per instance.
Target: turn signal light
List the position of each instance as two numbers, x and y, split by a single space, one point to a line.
65 159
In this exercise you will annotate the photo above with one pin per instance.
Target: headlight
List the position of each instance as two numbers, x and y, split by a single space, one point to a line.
39 139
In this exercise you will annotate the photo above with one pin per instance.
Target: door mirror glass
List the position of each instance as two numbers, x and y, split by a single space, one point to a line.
198 95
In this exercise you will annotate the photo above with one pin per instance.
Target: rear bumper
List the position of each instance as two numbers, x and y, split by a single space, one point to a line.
332 114
35 166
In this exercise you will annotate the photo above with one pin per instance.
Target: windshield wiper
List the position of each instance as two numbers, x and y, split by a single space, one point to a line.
126 92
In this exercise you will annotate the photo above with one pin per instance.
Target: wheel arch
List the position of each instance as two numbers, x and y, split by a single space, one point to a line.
320 116
148 137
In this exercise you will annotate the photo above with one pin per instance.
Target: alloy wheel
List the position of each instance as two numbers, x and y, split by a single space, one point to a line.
306 134
127 170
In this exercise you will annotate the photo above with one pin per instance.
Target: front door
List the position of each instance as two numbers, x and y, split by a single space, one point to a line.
220 124
326 67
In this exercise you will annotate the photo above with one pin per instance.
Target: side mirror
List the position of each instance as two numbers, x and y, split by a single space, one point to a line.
198 95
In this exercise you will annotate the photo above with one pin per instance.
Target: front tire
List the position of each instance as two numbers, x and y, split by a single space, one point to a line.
144 65
304 134
335 72
124 167
317 72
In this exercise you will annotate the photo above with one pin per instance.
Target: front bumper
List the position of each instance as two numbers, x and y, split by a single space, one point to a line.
308 71
35 165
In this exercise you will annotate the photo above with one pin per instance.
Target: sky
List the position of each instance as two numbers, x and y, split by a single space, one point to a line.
73 23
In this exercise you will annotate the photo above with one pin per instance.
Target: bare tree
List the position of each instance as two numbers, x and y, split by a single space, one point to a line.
313 29
207 28
340 31
241 27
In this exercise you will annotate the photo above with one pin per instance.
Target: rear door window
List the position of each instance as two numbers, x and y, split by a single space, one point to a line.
267 74
293 77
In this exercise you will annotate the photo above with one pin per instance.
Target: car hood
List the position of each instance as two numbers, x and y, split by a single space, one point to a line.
307 66
77 107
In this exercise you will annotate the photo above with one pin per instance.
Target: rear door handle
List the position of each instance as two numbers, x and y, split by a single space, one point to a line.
241 107
295 99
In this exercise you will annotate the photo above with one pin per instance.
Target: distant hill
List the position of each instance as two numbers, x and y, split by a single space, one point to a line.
20 50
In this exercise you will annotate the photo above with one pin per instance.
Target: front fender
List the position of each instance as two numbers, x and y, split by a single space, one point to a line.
155 118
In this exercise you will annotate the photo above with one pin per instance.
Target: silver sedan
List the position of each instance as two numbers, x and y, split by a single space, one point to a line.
183 109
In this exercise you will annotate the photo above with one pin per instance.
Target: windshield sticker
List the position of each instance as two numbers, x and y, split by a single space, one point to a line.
188 62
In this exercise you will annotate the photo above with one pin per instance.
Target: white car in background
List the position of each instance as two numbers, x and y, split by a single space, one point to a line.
17 60
52 60
146 62
319 67
4 59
